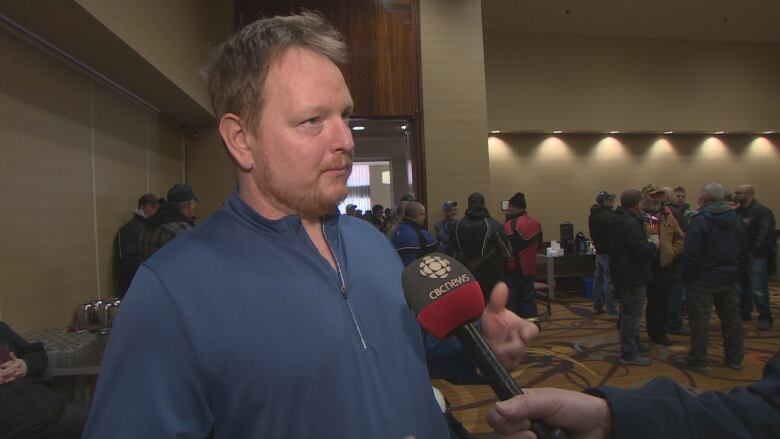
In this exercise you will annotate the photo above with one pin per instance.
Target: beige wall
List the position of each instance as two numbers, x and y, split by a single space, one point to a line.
455 113
74 158
562 175
541 83
172 35
209 171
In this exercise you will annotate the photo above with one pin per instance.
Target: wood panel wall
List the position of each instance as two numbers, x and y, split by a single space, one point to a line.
383 73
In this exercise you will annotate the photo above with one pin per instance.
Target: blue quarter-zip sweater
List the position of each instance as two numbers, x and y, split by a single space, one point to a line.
241 329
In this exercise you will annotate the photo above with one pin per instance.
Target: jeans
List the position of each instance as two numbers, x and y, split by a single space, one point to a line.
700 300
754 288
603 290
676 297
522 296
657 302
631 301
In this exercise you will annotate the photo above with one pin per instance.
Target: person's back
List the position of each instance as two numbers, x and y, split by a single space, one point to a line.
630 254
714 245
172 219
599 225
759 221
480 242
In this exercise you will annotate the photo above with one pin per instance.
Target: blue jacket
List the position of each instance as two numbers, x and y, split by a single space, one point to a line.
412 242
663 409
714 246
241 329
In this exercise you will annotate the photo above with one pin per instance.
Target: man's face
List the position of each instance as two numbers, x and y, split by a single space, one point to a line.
420 218
651 202
742 195
150 209
451 213
303 148
679 198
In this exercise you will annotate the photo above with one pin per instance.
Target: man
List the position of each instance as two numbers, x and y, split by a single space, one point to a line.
714 246
378 216
351 209
631 251
669 200
398 216
525 236
172 219
480 242
761 244
277 317
659 221
445 227
600 225
128 241
29 409
674 201
410 239
660 409
679 200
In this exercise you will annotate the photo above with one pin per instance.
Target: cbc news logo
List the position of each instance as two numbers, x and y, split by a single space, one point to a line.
435 267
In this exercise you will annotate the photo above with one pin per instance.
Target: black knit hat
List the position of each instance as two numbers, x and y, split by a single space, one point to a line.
518 200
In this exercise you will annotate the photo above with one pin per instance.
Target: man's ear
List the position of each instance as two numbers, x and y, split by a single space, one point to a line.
236 139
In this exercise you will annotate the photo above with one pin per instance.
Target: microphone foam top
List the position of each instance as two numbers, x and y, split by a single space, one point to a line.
442 293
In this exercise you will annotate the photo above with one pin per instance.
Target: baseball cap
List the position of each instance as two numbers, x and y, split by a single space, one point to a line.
181 192
449 205
650 189
147 199
603 196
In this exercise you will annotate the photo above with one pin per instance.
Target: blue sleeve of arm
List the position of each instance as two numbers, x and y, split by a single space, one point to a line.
663 409
150 384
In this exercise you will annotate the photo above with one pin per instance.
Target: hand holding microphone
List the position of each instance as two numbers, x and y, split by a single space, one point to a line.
446 299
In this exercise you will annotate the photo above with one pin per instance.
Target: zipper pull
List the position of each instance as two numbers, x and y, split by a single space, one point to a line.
344 292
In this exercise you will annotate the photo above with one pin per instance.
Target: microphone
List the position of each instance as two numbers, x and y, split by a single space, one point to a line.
446 299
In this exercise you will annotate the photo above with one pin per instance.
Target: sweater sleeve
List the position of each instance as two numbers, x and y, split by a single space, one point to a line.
664 409
150 383
32 353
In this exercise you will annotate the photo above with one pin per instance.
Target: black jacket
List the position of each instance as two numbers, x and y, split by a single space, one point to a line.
760 223
663 409
478 239
714 246
630 253
600 225
28 409
678 215
126 250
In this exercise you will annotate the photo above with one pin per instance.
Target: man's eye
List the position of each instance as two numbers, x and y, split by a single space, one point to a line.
312 121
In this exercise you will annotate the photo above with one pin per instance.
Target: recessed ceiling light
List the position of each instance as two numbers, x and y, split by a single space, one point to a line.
719 132
557 132
358 128
614 132
403 127
769 132
668 132
495 132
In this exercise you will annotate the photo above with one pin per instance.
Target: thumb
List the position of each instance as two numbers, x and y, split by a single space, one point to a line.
525 406
498 298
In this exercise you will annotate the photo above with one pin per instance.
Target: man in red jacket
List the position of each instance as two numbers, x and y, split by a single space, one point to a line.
525 234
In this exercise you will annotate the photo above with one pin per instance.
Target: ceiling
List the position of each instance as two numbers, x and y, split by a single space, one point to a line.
708 20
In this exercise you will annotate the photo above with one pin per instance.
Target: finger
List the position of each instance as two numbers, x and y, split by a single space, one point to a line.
498 298
506 426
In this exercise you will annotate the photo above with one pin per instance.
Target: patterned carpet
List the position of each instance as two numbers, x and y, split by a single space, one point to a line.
578 349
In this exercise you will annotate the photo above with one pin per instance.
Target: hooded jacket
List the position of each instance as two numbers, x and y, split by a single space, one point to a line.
760 223
478 239
413 242
714 246
525 234
630 253
600 224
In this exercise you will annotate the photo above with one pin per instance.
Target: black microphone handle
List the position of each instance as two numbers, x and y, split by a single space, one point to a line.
499 379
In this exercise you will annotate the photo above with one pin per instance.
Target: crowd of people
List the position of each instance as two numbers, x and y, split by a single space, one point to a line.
278 316
656 248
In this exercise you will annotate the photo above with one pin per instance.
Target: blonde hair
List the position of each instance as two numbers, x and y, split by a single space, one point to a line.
237 68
